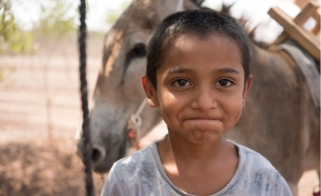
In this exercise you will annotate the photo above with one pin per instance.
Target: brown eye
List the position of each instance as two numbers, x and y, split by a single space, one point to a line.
181 83
224 83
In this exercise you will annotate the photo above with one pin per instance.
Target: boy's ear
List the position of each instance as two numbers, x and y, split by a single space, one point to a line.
247 87
150 92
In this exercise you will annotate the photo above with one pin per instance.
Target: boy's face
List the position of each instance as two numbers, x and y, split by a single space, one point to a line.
200 87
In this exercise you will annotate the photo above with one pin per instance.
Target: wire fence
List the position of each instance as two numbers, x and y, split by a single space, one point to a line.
39 114
40 102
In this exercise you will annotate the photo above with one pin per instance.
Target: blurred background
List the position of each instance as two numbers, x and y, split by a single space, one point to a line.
39 87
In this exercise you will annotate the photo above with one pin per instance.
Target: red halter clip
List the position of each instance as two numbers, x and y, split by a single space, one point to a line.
132 135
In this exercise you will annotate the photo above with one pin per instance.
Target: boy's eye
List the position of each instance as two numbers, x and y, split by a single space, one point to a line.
181 83
224 83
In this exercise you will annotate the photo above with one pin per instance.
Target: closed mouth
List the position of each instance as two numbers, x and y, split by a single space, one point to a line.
205 119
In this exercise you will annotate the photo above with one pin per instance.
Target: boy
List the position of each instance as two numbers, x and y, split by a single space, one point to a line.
198 74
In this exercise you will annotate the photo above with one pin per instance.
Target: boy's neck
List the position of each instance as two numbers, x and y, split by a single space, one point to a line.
173 148
194 168
187 150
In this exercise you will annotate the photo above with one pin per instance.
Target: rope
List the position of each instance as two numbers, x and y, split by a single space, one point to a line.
84 100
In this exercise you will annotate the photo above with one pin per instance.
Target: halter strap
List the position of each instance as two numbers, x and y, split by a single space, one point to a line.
135 121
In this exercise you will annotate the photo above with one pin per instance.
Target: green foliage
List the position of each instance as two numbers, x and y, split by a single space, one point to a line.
5 74
112 16
12 38
55 19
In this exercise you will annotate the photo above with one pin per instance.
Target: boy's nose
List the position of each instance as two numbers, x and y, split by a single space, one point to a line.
204 100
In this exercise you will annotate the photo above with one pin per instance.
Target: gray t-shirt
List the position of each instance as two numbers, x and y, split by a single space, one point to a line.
142 174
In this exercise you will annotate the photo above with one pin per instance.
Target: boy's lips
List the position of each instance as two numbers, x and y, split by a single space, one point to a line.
204 124
202 118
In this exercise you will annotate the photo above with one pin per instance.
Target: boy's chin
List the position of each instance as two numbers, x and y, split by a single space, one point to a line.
201 134
204 137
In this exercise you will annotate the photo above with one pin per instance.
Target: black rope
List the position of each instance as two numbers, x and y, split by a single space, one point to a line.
90 190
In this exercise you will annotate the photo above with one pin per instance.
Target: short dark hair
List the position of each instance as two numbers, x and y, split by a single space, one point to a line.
196 22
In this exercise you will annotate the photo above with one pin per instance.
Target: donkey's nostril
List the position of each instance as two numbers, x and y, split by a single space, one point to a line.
98 155
95 155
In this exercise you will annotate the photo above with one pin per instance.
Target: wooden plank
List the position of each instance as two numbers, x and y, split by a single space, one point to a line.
316 17
296 32
316 29
282 37
308 10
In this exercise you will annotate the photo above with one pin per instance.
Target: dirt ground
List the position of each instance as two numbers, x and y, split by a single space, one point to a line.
42 169
39 114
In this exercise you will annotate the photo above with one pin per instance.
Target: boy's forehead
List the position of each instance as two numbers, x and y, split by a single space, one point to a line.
192 45
189 41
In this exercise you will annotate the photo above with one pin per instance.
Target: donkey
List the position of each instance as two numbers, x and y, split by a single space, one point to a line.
279 119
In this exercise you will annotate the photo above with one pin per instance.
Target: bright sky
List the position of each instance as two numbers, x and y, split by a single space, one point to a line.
28 11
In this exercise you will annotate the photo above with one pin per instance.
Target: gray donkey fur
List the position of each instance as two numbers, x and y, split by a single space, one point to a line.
279 119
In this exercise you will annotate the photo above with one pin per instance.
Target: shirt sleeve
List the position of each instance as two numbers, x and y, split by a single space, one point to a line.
113 186
283 188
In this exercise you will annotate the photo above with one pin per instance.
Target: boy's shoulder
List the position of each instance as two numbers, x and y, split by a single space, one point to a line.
139 173
256 170
141 158
255 175
252 156
140 165
253 160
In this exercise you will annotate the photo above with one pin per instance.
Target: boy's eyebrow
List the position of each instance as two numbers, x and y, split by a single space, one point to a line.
182 70
228 70
178 70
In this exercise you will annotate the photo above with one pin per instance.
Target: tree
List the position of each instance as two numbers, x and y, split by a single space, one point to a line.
12 38
56 19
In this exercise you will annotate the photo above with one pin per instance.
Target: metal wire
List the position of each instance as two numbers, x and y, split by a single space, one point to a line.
90 190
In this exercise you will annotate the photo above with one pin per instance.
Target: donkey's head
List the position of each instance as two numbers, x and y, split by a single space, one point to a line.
118 93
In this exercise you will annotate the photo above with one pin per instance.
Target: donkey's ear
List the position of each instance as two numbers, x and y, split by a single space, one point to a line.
192 4
150 92
167 7
198 2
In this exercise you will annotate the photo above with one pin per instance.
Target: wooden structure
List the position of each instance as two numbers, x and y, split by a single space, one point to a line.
293 28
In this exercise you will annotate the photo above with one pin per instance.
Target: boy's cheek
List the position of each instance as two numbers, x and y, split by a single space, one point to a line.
233 108
170 100
237 114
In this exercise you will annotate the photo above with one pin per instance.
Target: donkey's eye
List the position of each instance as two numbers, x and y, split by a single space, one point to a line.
181 83
138 51
224 83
